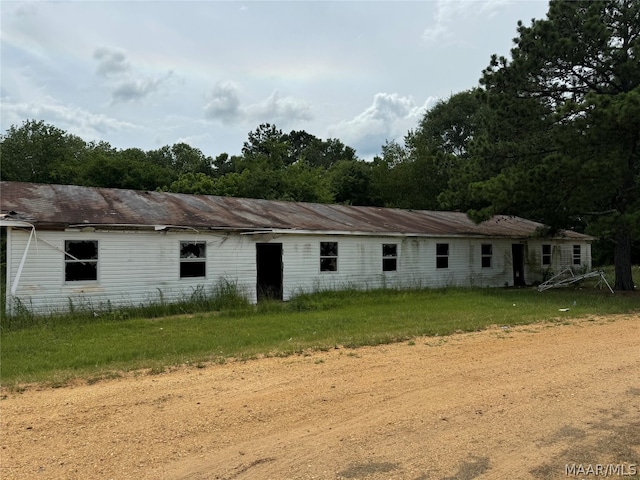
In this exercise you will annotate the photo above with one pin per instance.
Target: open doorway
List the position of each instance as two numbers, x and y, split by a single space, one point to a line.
517 254
269 271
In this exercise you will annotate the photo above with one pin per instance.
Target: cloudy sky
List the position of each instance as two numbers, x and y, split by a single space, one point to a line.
151 73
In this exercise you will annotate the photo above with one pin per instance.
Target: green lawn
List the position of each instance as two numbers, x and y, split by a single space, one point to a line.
56 350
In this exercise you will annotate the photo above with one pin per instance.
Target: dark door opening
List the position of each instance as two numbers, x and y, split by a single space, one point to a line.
269 266
517 254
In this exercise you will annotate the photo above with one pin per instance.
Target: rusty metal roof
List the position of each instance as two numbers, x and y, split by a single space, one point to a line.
62 206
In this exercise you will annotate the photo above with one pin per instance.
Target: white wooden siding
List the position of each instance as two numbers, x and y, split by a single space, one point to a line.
360 263
143 267
561 257
134 268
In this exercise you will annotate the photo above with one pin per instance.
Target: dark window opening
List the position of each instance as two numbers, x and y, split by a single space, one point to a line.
486 254
389 257
442 255
546 254
328 256
192 269
81 260
193 259
577 258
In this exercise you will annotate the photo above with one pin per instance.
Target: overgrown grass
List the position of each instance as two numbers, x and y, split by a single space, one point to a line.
223 295
57 351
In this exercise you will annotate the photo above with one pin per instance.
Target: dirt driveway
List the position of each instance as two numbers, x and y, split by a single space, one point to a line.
516 403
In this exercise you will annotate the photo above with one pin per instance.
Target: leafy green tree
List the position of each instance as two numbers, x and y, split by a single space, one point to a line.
304 147
224 164
304 183
181 158
227 185
386 184
275 165
333 150
127 168
269 143
562 137
418 174
259 179
195 183
404 177
95 154
351 182
40 153
450 126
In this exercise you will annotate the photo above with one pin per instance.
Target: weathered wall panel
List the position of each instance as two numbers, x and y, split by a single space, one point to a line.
561 257
133 268
142 267
360 264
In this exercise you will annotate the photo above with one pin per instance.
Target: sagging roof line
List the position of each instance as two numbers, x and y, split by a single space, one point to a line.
58 206
370 234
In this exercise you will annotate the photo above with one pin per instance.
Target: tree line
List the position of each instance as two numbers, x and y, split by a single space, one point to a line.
273 165
551 133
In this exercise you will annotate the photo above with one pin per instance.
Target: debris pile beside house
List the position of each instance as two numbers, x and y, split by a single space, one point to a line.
567 277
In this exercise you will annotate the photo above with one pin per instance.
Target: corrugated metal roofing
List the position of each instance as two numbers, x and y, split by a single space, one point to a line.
61 206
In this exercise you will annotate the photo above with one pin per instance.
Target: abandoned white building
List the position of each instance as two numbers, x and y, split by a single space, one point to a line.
99 246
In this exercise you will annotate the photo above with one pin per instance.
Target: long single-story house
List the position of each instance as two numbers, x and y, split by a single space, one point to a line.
71 245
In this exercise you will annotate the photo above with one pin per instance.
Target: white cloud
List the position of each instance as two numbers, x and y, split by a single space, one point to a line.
192 140
111 62
130 90
491 8
25 9
449 12
300 65
274 108
126 85
445 14
389 117
86 125
223 103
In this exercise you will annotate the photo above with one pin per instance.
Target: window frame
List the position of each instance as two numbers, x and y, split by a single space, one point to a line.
547 257
486 259
184 261
73 260
442 259
390 259
324 266
577 255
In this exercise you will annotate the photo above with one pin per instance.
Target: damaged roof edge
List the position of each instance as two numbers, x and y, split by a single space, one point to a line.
160 228
394 234
58 207
15 223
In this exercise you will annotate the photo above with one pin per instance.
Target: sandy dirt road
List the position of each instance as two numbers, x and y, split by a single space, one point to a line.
517 403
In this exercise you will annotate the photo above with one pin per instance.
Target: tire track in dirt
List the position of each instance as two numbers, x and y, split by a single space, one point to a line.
503 403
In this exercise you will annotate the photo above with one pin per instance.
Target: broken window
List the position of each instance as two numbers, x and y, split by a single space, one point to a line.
389 257
577 258
546 254
193 259
80 260
328 256
442 255
486 254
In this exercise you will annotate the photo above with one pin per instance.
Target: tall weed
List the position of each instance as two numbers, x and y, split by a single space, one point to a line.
222 296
